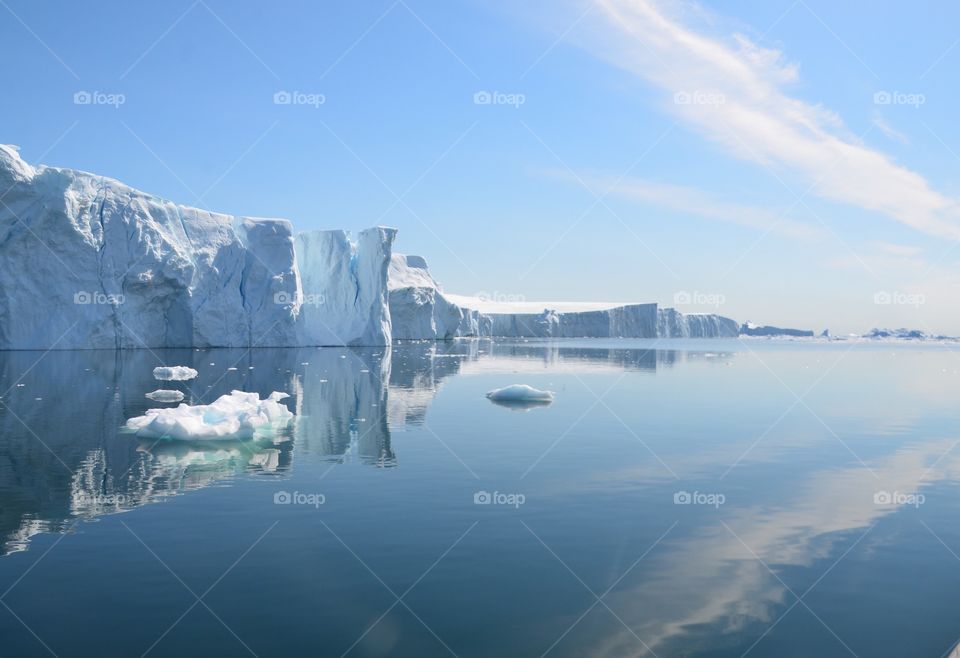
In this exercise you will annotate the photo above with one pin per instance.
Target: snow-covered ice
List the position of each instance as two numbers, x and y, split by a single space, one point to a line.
237 415
165 395
174 373
520 393
120 268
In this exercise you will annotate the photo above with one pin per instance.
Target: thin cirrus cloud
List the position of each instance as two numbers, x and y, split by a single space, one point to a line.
693 202
733 92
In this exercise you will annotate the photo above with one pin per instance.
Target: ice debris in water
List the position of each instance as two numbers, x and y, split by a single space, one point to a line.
164 395
237 415
174 373
520 393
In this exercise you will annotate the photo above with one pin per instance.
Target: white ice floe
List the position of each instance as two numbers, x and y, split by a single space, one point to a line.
164 395
237 415
520 393
174 373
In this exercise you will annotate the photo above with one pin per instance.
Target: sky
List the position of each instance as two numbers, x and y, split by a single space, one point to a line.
791 162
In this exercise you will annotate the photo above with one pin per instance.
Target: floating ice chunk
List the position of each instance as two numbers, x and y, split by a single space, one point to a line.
174 373
237 415
164 395
520 393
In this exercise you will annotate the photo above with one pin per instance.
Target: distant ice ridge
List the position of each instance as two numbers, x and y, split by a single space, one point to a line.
419 309
237 415
88 262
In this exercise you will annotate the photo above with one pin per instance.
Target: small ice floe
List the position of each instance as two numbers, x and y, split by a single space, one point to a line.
165 395
237 415
174 373
520 396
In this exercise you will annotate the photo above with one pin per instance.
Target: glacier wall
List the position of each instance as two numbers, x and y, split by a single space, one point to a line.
88 262
343 287
420 310
671 323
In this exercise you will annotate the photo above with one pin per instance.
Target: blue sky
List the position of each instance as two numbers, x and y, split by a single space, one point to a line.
784 162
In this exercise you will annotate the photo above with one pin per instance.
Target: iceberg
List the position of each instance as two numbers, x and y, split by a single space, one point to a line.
420 309
520 393
87 262
174 373
165 395
674 324
750 329
236 415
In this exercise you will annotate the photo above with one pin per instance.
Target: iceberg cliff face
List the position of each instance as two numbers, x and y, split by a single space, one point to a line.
674 324
344 287
88 262
420 310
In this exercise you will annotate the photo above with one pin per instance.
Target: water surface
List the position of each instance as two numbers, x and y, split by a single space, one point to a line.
678 498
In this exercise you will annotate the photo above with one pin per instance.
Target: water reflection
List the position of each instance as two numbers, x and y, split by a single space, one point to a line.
61 457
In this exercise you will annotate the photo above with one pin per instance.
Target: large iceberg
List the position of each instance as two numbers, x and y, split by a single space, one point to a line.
419 309
88 262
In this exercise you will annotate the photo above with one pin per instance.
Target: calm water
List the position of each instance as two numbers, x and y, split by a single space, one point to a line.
680 499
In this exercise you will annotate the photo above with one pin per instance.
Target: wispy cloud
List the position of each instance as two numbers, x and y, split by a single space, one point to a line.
697 203
884 126
734 92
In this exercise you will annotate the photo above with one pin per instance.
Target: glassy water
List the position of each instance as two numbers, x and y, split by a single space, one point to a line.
709 498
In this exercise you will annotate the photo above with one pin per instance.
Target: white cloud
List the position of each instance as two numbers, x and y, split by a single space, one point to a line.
743 106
